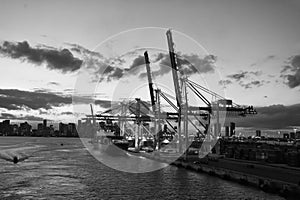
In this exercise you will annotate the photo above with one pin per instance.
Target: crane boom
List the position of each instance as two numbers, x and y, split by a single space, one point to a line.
174 67
150 80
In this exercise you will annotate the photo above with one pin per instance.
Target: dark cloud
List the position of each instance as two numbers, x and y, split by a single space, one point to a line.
41 90
67 113
71 90
13 99
256 73
53 83
293 80
112 73
286 68
55 59
244 75
15 117
137 65
291 72
7 116
251 84
273 117
159 56
104 103
225 82
110 69
194 64
84 51
188 64
238 76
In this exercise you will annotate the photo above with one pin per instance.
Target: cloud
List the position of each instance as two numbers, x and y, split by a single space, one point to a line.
291 72
55 59
263 61
247 79
53 83
188 64
84 51
273 117
286 68
194 64
104 103
13 99
251 84
293 80
7 116
66 113
238 76
112 73
135 67
15 117
244 75
225 82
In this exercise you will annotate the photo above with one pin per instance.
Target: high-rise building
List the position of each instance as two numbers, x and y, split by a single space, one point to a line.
63 129
258 133
232 128
292 135
297 135
6 122
40 127
6 128
45 123
71 129
227 131
25 129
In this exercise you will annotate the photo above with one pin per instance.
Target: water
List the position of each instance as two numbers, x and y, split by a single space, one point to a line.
55 171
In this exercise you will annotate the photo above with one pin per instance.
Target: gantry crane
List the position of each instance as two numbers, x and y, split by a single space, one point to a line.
182 111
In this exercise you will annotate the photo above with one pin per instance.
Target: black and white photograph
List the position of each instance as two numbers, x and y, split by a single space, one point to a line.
161 99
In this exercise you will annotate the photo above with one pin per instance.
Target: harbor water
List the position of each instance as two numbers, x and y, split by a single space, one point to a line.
62 168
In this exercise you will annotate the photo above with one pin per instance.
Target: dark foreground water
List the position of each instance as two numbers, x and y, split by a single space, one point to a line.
51 170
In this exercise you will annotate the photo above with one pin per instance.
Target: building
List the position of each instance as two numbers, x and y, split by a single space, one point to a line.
258 133
67 130
227 131
232 128
25 129
297 135
63 129
45 123
71 130
5 128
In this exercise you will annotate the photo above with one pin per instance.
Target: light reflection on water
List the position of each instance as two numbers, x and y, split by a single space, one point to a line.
69 172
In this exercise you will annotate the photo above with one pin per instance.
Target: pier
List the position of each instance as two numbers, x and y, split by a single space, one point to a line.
190 136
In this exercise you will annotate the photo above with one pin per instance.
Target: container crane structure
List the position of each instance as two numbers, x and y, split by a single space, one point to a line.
138 111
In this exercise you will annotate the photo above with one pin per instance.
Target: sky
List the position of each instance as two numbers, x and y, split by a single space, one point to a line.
47 45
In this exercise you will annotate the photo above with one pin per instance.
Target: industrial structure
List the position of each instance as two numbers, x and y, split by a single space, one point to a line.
138 118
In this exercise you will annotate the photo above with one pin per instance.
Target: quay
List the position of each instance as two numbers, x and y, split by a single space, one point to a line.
161 128
272 178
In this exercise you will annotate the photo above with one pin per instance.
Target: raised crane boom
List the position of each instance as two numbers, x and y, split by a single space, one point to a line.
150 80
174 68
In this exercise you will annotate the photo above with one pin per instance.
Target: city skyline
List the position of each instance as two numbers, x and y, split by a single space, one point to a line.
256 45
41 130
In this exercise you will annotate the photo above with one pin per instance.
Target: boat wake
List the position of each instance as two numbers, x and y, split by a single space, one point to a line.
14 157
